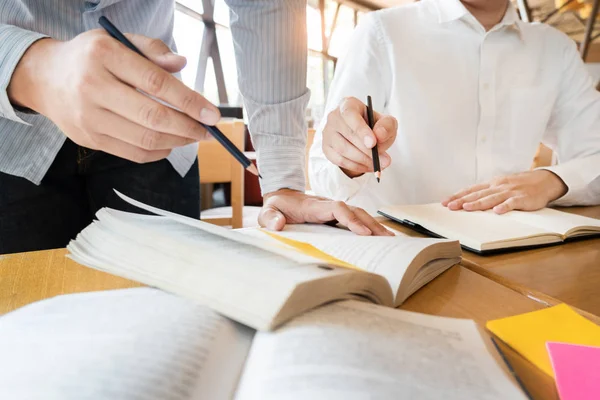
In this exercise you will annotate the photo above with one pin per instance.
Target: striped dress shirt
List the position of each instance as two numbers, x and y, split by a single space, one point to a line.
270 45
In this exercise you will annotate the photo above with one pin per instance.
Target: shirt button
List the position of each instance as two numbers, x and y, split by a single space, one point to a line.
482 139
486 86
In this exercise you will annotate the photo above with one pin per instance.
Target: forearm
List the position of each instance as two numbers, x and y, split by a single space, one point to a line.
15 43
271 52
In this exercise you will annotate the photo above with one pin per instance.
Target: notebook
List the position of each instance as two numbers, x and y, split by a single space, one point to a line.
252 277
488 232
147 344
577 370
528 333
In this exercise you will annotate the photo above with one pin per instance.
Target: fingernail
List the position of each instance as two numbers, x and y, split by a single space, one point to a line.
381 131
385 160
369 141
209 116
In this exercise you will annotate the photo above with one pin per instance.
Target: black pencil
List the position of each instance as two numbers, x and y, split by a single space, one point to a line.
374 151
214 131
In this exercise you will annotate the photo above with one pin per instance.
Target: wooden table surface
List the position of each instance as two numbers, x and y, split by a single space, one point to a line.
459 293
568 273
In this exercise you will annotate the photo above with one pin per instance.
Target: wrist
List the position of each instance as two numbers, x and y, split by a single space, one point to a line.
26 81
282 191
557 187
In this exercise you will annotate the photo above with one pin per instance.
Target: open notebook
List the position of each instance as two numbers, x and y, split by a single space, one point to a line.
146 344
486 231
255 278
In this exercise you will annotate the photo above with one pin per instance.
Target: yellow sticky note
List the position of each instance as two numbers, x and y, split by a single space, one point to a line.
310 250
528 333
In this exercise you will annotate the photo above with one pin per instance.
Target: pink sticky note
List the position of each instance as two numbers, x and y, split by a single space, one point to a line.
576 370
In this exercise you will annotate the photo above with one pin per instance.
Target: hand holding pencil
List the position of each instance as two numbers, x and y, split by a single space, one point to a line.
350 143
88 87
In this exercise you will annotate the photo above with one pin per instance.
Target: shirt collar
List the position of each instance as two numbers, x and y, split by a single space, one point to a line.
452 10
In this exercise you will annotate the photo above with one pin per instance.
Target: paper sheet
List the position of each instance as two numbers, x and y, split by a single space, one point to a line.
123 344
528 333
577 370
356 351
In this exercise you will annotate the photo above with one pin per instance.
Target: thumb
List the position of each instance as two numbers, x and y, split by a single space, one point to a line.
271 218
158 52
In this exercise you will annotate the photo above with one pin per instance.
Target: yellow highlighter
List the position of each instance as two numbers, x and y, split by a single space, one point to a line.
310 250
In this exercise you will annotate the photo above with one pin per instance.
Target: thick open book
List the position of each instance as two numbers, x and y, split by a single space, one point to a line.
253 278
486 231
147 344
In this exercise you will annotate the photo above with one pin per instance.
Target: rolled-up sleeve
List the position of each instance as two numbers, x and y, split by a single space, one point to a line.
271 53
15 42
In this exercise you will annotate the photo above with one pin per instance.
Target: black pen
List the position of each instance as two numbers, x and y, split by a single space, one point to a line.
214 131
374 151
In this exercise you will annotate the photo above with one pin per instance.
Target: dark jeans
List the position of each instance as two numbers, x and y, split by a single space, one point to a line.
79 183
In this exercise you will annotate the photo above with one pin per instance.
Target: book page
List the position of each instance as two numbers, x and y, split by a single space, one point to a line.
243 282
554 220
473 229
355 350
388 256
124 344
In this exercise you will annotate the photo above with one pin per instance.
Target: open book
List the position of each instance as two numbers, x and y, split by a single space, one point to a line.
486 231
258 280
147 344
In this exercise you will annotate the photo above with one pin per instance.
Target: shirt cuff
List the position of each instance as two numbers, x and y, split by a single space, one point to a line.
279 137
341 186
15 42
578 175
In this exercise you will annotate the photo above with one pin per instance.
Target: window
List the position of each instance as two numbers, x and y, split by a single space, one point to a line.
190 30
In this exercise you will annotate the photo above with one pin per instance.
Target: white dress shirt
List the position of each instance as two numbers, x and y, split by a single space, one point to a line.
471 105
270 46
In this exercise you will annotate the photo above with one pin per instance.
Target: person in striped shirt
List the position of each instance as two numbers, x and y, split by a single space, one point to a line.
73 125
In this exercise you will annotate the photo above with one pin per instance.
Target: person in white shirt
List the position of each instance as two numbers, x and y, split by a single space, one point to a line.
466 92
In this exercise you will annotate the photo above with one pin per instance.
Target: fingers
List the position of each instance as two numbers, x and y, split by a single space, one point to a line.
143 74
375 227
350 167
450 201
487 202
111 124
271 218
336 126
125 150
141 110
385 131
158 52
353 113
346 149
512 203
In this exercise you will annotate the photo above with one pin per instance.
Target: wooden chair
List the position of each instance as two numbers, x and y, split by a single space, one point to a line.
543 157
218 166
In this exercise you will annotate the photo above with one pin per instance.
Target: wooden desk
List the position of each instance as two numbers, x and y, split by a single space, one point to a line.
459 292
568 273
29 277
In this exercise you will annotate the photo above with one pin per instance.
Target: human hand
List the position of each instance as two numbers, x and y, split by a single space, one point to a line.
526 191
87 87
287 206
348 140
